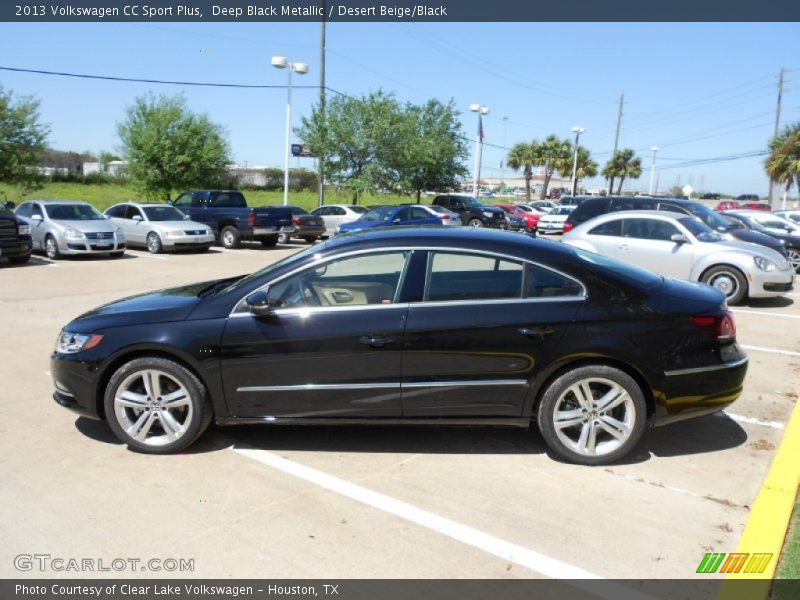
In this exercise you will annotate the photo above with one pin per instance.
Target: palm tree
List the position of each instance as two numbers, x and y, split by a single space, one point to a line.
525 156
624 164
783 163
556 156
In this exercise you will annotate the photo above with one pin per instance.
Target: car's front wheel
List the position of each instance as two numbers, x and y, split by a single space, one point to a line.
230 237
156 405
794 258
592 415
154 245
728 280
51 248
475 223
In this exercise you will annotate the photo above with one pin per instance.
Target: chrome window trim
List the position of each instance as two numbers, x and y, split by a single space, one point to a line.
312 387
696 370
239 309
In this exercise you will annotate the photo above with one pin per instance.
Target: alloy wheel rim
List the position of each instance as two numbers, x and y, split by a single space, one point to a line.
228 238
726 283
594 416
153 407
794 259
152 242
51 247
283 238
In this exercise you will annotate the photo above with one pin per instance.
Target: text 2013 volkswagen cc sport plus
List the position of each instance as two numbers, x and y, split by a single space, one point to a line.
410 326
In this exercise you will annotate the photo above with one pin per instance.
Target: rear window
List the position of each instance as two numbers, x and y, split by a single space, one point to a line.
615 269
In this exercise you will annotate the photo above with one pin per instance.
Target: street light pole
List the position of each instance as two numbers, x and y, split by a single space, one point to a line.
476 172
578 131
653 167
281 62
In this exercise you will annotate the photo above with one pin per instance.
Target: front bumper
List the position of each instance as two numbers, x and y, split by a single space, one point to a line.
20 246
187 241
764 284
72 246
75 384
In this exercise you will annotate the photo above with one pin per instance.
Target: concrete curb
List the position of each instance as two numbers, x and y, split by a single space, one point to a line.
771 512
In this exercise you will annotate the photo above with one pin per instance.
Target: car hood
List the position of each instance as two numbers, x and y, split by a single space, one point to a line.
93 226
756 237
162 306
182 225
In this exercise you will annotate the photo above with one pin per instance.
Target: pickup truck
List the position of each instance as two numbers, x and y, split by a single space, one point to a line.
232 221
15 236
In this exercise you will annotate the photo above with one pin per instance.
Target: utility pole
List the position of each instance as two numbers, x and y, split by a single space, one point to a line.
320 157
616 136
777 123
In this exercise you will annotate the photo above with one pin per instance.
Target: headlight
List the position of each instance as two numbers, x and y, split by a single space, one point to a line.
173 233
70 343
765 264
73 234
487 214
24 229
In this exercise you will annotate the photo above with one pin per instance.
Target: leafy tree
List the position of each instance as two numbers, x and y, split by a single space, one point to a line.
168 147
22 140
783 162
525 156
623 165
586 167
432 147
357 140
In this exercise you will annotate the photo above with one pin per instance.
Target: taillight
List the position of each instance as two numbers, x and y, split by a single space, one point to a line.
252 218
296 220
721 327
568 227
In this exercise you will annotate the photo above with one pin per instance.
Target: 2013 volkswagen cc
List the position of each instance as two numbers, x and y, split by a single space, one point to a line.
416 326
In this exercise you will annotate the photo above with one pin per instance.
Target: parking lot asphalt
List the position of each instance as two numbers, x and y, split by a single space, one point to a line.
385 502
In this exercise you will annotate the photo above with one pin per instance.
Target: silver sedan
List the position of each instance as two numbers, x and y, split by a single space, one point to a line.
682 246
67 227
159 227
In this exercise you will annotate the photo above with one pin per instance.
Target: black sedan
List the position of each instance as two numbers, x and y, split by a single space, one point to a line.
306 226
410 325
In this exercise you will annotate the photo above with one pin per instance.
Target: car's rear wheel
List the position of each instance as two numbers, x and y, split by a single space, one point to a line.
592 415
51 248
794 258
230 237
729 281
157 406
475 223
154 245
310 239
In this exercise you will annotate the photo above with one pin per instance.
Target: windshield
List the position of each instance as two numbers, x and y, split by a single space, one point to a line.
296 210
377 215
713 219
619 270
73 212
163 213
773 223
700 230
562 210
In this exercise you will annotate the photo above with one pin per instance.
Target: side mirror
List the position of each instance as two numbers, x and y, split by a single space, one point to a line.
36 217
679 238
259 305
136 218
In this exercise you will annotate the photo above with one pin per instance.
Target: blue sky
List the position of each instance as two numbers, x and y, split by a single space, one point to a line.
696 90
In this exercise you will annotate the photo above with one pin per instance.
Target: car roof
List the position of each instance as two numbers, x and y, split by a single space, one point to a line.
141 204
748 213
56 201
630 214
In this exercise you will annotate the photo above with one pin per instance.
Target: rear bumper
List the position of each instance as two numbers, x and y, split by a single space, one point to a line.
303 231
698 391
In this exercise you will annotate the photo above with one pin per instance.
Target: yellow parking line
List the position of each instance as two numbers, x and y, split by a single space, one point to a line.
769 518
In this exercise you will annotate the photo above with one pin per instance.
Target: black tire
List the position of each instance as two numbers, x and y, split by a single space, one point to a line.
283 238
51 248
19 260
310 239
269 242
230 238
118 254
475 222
197 417
729 280
559 395
154 244
205 248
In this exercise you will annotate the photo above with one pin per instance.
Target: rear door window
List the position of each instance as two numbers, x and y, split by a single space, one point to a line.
458 277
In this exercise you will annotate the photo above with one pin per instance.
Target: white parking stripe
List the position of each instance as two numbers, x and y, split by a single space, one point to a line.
148 255
764 313
530 559
751 420
771 350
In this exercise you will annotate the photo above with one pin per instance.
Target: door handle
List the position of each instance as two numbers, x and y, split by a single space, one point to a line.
376 341
537 332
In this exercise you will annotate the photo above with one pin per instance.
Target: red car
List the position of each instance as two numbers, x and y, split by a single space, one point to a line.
728 205
756 206
531 219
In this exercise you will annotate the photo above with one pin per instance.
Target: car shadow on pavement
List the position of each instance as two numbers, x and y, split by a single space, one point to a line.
779 302
33 262
698 436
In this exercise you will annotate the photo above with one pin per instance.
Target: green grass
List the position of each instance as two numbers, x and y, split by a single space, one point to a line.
106 194
789 566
